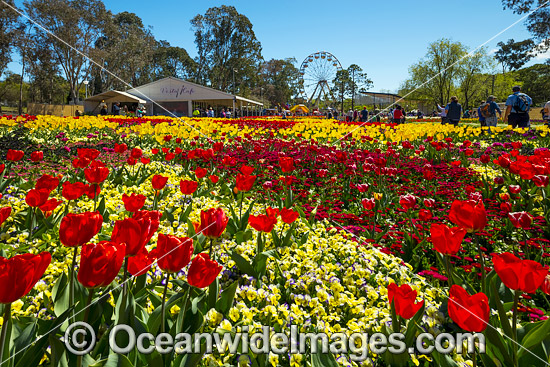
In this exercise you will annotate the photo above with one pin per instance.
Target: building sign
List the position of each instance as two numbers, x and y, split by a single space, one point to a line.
177 92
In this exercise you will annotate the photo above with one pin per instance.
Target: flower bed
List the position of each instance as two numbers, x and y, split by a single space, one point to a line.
275 223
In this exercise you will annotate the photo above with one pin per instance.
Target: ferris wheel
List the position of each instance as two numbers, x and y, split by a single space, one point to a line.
317 74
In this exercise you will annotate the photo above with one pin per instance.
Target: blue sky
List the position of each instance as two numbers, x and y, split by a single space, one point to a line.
383 37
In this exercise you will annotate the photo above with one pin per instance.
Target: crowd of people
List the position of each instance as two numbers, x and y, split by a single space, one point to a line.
516 112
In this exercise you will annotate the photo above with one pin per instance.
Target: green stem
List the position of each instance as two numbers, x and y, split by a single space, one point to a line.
449 271
514 327
241 208
482 259
5 326
94 187
71 281
527 251
187 296
163 309
211 246
85 320
124 285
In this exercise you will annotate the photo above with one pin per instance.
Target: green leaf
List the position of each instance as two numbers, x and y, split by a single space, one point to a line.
242 264
213 290
60 295
322 359
535 337
226 298
184 215
497 348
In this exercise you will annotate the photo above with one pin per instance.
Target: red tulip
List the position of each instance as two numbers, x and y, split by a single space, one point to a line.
141 263
73 191
203 271
247 170
425 215
47 182
80 162
78 229
429 203
262 223
37 156
188 187
200 172
514 189
524 275
403 298
214 179
468 215
506 207
173 253
485 158
14 155
213 223
362 187
407 201
36 198
471 313
446 240
288 216
521 220
149 221
272 212
287 164
50 205
136 153
128 232
92 191
120 148
87 153
133 202
96 173
159 182
19 274
541 181
100 263
545 287
5 212
368 204
245 183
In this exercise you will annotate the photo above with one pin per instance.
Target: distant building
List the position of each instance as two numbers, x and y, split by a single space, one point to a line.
172 96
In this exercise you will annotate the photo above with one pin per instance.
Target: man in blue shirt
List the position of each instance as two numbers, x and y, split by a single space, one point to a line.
517 108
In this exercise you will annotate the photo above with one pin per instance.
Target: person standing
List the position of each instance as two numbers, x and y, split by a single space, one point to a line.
517 108
488 111
364 115
442 114
103 108
546 114
116 108
398 115
453 111
482 120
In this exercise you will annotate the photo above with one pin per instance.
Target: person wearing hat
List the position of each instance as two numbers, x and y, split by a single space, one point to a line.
103 108
517 108
489 111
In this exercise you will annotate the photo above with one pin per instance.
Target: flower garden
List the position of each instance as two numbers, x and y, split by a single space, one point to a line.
217 225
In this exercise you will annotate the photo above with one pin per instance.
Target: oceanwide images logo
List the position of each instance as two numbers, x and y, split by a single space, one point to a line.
80 339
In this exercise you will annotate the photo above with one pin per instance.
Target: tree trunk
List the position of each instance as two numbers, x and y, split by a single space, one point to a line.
20 106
